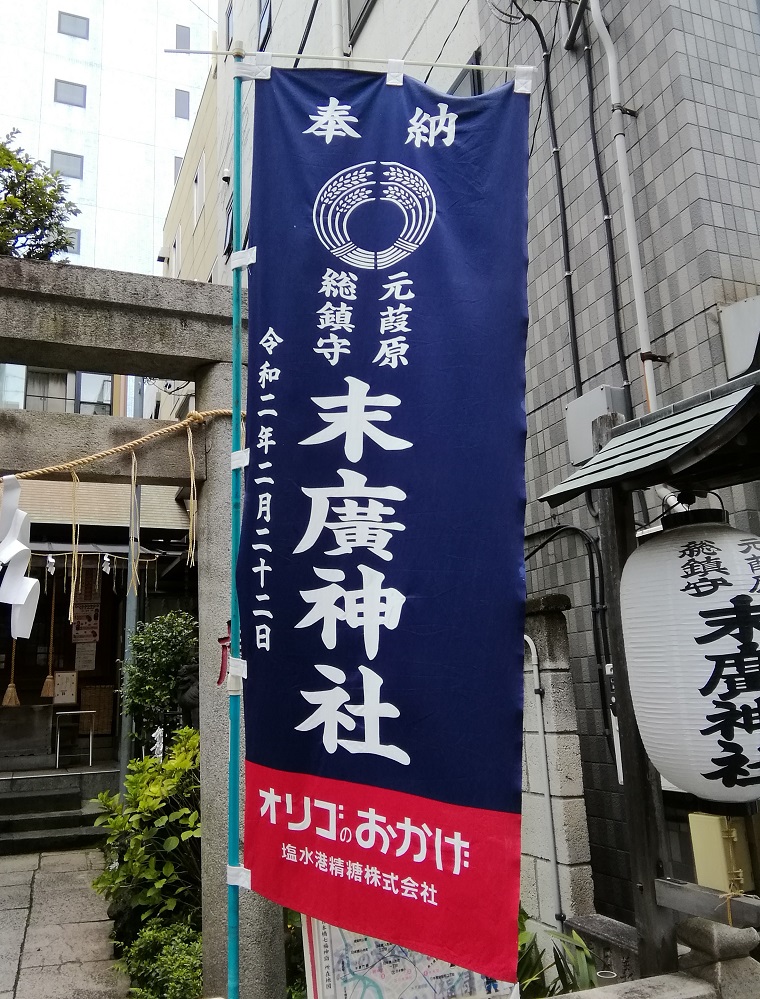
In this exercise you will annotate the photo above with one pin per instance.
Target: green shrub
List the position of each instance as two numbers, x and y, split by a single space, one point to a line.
153 849
572 970
157 652
295 971
165 962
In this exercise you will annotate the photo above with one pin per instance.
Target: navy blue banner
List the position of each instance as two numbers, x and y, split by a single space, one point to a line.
381 575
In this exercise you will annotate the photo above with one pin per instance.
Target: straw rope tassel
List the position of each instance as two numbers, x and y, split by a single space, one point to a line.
10 699
735 874
48 687
193 501
134 532
74 542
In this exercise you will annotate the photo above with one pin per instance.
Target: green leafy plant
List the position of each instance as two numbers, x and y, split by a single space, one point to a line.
574 963
157 652
34 209
295 971
153 848
165 962
572 970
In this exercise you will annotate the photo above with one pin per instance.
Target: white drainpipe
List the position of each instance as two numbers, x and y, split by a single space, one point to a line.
637 277
539 701
337 34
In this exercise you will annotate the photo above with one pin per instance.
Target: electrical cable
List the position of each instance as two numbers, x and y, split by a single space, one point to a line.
306 32
565 234
446 40
607 215
599 629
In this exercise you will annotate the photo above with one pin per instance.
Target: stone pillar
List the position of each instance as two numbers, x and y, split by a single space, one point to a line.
720 955
262 954
545 624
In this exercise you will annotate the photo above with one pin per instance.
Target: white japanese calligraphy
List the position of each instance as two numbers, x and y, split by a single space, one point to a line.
269 341
333 120
357 421
332 348
358 525
368 608
335 317
339 284
329 715
392 352
424 127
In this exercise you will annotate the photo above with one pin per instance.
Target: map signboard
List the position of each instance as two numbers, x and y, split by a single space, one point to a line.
345 965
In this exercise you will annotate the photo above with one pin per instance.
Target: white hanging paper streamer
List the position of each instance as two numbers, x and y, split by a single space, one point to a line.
106 567
50 565
16 589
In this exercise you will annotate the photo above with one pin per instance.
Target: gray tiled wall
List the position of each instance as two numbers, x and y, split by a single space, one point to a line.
691 70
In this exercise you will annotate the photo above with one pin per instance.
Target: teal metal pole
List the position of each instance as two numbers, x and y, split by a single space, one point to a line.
233 835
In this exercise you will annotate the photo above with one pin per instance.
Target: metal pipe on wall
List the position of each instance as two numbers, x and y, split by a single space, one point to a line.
337 33
626 193
538 691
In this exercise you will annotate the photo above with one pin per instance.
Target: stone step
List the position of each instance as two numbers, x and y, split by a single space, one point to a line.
50 840
41 821
23 802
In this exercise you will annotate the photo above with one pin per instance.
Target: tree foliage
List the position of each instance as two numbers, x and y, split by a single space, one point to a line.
153 849
34 208
165 962
157 651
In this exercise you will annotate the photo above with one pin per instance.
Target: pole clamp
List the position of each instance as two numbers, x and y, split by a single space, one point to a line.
647 355
243 259
239 876
238 667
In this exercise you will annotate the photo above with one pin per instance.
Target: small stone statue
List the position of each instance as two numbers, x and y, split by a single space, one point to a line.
188 694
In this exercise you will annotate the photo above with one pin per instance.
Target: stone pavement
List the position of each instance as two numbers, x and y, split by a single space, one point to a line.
54 929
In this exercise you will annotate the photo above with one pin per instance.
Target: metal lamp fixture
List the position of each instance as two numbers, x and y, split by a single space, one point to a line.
690 604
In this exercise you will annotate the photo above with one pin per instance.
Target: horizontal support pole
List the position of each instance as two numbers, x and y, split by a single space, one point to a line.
30 440
87 319
695 900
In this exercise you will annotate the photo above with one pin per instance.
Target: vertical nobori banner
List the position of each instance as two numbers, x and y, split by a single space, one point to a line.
381 573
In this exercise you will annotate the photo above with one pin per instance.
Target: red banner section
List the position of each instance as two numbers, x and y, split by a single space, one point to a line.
349 853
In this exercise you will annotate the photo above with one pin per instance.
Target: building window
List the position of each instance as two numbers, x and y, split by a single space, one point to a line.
176 254
177 167
358 12
93 394
75 241
199 188
469 83
228 234
182 38
182 104
47 391
70 93
228 25
73 24
265 22
67 164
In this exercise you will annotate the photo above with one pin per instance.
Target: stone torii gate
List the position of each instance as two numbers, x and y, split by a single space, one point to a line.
79 318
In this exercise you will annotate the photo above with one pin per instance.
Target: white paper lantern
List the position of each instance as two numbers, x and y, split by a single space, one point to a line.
690 602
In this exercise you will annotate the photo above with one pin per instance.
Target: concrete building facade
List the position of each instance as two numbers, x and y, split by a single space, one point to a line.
690 73
93 94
